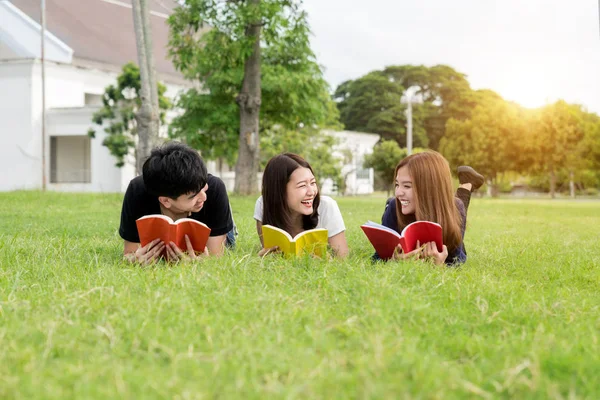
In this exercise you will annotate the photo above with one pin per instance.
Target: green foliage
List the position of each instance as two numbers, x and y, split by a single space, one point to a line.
372 102
362 100
294 92
557 136
488 141
117 115
316 148
445 93
386 155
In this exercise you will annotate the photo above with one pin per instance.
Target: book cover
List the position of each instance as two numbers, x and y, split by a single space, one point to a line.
155 226
385 240
312 241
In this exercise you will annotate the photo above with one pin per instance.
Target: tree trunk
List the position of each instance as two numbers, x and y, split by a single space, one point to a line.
552 183
147 32
249 101
494 188
147 115
571 184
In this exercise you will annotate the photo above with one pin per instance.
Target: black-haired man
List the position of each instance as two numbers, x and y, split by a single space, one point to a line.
174 182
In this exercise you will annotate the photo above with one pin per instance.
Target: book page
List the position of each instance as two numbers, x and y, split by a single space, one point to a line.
159 216
382 227
189 220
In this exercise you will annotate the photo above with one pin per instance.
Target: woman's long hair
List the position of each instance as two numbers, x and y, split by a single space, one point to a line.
433 195
274 193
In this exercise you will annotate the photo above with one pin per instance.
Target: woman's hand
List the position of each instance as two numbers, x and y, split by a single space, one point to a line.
431 252
416 254
270 250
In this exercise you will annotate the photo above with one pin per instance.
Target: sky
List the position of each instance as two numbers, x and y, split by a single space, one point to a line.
529 51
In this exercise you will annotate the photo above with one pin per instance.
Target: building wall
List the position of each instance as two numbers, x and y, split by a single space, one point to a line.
20 153
104 175
70 90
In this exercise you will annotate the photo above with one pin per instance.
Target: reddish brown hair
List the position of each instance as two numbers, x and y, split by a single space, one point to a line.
433 195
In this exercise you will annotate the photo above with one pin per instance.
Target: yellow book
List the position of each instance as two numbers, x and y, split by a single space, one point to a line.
312 241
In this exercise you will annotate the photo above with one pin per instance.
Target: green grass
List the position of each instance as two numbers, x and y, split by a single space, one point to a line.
521 319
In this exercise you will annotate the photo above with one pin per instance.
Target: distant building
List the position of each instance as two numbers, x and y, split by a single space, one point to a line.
87 43
352 148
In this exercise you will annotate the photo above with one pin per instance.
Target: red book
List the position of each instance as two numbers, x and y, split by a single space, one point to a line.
385 240
156 226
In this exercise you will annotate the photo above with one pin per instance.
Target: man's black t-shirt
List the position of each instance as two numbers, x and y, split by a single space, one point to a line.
137 203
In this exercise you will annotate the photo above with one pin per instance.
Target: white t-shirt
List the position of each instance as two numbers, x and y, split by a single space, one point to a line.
330 217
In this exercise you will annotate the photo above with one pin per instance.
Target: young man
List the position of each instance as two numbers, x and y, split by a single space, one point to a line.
174 182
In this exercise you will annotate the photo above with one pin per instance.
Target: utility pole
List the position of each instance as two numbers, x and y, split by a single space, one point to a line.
409 126
408 99
43 65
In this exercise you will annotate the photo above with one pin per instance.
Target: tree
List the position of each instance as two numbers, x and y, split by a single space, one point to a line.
361 100
118 113
386 155
556 144
372 102
490 140
445 92
147 115
590 144
256 55
315 148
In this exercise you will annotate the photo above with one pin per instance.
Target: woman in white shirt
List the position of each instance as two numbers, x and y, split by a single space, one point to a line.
290 200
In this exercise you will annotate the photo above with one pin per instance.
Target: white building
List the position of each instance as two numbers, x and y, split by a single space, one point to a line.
87 43
352 148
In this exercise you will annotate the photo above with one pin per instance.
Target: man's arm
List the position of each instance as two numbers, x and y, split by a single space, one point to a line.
216 245
129 247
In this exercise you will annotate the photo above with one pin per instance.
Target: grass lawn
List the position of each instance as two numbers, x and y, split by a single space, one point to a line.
521 319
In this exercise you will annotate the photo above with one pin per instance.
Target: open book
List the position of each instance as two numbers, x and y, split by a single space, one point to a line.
312 241
385 239
156 226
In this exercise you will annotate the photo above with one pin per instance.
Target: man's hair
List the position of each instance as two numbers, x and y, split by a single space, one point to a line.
174 169
433 196
274 192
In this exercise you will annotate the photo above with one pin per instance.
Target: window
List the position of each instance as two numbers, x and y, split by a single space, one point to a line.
70 159
93 99
361 171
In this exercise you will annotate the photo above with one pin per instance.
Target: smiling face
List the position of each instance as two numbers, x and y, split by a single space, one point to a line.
301 190
186 203
404 191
